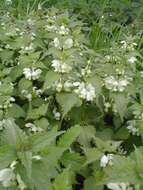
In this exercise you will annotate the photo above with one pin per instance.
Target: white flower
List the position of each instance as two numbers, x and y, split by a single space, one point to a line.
122 84
58 85
57 43
65 68
63 30
60 67
76 84
12 99
28 48
33 128
113 186
124 44
132 59
57 65
38 92
106 159
37 157
132 128
6 176
13 164
118 186
26 94
36 74
107 106
51 27
31 73
57 115
86 91
68 43
8 2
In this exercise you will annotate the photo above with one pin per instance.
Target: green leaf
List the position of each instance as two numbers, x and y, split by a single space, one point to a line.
67 101
121 104
90 184
53 154
107 145
40 179
69 137
86 135
37 112
42 123
121 134
13 135
92 155
118 170
16 72
24 84
42 140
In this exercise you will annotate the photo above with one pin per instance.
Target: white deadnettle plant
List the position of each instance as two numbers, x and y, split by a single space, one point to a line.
51 81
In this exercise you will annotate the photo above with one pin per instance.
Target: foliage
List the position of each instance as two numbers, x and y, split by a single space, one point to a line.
71 103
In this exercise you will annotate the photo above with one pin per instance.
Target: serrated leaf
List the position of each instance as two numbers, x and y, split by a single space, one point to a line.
69 137
63 181
37 112
7 155
118 170
40 141
121 104
16 111
26 159
72 160
86 135
92 154
67 101
13 135
40 179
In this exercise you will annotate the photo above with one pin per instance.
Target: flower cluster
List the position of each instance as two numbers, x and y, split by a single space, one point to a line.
113 84
85 91
33 128
7 103
138 114
67 44
131 126
32 73
7 175
60 66
132 59
119 186
130 46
